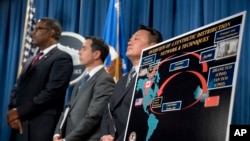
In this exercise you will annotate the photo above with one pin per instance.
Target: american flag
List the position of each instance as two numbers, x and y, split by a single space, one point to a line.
29 50
138 102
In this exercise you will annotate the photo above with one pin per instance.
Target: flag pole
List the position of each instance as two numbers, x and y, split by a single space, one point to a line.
118 60
24 37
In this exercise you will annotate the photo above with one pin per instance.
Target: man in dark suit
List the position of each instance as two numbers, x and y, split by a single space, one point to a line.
89 98
37 98
115 117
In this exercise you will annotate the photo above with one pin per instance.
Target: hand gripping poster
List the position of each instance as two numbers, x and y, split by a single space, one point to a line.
186 85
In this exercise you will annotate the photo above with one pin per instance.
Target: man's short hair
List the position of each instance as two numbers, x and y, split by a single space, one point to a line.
154 35
99 44
53 24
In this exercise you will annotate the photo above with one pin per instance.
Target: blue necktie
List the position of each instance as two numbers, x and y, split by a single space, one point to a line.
84 79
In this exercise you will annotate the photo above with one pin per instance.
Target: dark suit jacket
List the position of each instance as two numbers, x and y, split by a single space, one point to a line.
119 106
39 95
87 106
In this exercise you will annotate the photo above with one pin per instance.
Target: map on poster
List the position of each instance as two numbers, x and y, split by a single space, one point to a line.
185 86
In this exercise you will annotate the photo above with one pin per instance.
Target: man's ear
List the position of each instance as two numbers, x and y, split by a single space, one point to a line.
97 54
52 32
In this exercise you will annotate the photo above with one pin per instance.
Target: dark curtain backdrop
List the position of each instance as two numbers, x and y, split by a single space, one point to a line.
87 17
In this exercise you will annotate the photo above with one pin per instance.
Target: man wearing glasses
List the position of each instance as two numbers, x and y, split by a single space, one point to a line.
37 99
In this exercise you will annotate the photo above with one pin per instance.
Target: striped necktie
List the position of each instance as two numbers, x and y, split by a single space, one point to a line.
130 76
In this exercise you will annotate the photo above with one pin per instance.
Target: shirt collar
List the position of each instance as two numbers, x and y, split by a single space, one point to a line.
94 70
136 68
46 51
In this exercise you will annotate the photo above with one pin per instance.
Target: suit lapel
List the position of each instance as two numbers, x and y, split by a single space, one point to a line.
46 56
126 91
27 65
86 84
28 68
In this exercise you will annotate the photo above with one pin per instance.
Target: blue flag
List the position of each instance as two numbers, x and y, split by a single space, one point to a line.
114 35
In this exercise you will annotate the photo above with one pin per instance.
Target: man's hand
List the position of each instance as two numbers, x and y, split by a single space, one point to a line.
57 137
12 115
16 124
107 138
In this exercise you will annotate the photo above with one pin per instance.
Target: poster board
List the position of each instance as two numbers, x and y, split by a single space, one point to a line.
186 85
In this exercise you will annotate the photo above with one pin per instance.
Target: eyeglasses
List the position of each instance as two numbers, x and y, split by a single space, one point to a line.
40 28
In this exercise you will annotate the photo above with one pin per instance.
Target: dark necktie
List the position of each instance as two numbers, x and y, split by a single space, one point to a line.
84 79
37 58
130 76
